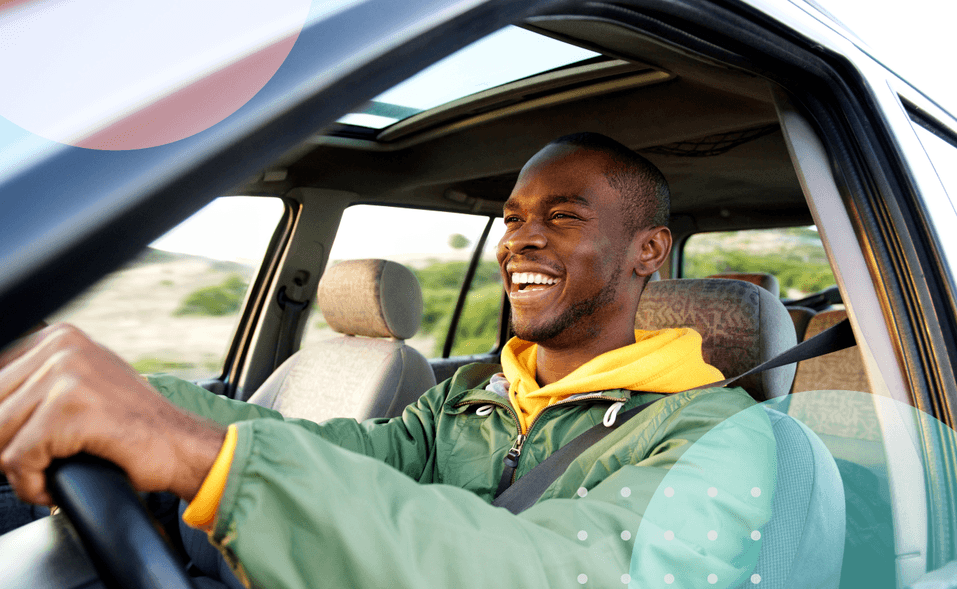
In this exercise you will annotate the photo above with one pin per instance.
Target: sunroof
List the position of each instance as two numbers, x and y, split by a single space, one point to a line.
505 56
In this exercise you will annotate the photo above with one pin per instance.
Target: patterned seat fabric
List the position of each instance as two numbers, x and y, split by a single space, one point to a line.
766 281
741 326
842 370
373 375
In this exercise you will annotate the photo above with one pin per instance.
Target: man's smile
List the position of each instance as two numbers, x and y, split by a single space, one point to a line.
530 285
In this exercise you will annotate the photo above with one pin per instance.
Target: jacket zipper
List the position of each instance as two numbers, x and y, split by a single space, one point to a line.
514 453
538 417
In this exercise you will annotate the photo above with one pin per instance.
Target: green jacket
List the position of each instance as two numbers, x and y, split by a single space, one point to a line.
676 494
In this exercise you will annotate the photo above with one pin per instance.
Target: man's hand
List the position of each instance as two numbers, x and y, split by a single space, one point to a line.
61 394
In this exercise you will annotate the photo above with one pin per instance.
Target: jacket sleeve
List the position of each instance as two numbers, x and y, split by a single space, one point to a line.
405 443
299 511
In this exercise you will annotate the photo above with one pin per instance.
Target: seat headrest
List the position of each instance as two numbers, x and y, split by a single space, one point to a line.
374 298
766 281
740 324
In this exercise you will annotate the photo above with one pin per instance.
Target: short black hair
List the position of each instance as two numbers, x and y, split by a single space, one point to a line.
646 198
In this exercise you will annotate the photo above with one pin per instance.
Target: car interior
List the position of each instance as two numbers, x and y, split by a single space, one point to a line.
725 138
715 132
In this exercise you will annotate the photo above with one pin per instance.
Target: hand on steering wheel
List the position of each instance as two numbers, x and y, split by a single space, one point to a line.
118 533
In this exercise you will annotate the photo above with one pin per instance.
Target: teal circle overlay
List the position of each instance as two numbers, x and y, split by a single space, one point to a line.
707 523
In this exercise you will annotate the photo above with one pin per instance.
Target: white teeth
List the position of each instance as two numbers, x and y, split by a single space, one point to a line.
531 278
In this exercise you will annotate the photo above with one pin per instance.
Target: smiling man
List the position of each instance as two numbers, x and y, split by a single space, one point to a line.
406 502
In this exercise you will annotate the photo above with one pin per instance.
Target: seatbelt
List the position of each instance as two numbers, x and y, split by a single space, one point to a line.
528 489
292 308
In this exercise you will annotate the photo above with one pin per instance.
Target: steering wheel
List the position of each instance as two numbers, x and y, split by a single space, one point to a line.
118 533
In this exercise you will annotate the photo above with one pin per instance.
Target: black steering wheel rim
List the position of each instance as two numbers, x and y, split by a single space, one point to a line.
120 537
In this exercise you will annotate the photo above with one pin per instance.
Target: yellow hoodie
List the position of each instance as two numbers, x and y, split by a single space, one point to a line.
664 361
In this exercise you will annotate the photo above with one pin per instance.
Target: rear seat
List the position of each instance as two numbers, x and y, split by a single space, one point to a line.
800 317
842 370
766 281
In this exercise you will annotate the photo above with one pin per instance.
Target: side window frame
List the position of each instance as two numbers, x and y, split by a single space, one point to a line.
257 298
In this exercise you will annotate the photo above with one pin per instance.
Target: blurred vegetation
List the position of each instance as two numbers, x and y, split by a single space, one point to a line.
153 365
478 325
218 300
458 241
794 255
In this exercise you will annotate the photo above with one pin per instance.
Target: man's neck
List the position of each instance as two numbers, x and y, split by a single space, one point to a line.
552 363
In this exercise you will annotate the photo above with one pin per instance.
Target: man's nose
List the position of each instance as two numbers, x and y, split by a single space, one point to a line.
530 235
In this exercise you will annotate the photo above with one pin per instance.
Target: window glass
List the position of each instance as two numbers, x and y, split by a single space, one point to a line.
943 156
435 245
794 255
478 327
505 56
175 307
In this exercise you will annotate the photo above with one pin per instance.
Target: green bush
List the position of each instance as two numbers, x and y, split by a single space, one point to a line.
803 267
441 282
478 325
221 299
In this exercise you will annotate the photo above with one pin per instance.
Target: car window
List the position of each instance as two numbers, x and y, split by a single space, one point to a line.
942 154
437 246
478 325
174 308
794 255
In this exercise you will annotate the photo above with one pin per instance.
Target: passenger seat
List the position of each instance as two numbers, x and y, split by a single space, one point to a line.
368 371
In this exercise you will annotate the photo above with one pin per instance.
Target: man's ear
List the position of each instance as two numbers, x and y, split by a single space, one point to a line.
654 245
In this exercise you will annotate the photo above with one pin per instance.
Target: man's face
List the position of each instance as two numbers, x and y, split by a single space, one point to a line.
564 253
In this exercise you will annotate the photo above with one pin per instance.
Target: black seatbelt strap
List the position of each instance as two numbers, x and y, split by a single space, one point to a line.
526 491
292 308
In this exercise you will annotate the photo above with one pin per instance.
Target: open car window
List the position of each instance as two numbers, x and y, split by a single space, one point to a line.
175 307
437 246
793 255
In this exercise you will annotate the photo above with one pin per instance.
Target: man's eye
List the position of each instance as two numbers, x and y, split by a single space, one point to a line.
563 216
511 219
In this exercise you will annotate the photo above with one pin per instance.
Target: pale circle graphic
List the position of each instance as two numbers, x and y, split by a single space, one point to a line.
582 491
712 492
583 535
756 492
626 535
712 535
755 535
625 492
626 578
712 578
669 578
118 75
582 579
755 578
669 492
669 535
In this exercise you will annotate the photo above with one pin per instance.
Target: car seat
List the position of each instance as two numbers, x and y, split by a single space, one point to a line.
742 326
368 370
842 370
